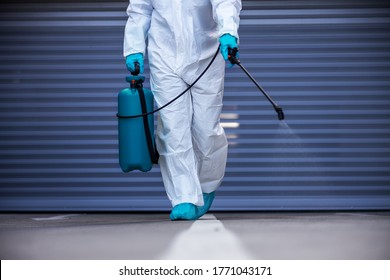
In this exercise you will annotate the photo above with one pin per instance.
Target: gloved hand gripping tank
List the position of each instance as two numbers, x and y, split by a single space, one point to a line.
136 134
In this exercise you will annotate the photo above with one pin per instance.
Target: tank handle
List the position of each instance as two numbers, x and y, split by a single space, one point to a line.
137 69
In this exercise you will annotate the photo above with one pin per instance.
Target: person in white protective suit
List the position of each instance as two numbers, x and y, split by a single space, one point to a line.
182 37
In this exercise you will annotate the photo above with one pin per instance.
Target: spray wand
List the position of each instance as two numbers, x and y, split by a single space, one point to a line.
234 60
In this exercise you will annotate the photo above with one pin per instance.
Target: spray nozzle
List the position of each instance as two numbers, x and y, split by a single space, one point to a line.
280 113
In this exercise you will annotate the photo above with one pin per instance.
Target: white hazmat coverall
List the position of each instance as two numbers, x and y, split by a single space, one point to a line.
182 38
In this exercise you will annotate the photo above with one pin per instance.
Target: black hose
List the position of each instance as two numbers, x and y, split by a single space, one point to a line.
177 97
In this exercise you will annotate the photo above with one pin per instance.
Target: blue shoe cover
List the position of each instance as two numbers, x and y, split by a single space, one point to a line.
208 200
184 211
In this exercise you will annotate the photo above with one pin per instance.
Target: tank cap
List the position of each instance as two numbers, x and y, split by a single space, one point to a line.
138 79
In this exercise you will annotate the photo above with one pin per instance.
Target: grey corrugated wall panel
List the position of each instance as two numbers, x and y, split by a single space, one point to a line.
325 62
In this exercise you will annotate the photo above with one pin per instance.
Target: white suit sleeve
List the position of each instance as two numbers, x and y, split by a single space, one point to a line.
137 26
226 14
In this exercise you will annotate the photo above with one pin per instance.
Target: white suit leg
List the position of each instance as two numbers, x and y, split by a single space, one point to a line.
208 135
173 139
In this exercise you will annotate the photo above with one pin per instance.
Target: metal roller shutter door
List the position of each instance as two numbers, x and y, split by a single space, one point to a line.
325 62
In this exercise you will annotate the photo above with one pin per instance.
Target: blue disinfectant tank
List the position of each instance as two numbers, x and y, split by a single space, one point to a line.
133 148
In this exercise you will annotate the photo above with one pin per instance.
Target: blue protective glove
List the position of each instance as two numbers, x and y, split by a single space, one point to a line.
227 41
132 58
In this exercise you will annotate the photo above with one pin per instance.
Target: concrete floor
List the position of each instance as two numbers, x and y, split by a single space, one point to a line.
218 235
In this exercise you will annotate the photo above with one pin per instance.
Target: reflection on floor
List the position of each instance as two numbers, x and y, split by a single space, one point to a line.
219 235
